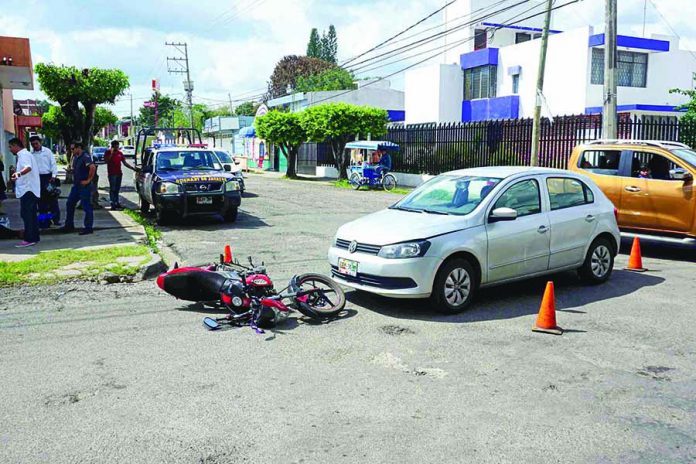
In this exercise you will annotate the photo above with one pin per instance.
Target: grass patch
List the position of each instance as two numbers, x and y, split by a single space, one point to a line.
40 269
153 234
344 184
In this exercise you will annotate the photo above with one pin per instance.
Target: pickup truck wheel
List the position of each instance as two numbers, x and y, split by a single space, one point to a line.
163 218
144 206
231 215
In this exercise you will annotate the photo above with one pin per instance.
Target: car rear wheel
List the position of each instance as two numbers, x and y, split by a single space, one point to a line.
599 262
454 287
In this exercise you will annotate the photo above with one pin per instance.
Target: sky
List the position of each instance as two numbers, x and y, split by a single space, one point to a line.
234 45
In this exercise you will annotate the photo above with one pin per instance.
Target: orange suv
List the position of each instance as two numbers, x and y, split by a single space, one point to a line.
651 183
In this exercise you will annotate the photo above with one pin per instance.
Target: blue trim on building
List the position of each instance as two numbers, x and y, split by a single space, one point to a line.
396 115
520 28
483 57
486 109
638 107
632 42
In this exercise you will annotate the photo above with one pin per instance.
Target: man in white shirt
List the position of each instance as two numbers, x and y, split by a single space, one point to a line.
28 190
48 172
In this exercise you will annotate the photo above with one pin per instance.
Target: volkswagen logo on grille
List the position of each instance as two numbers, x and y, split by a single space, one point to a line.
203 187
353 246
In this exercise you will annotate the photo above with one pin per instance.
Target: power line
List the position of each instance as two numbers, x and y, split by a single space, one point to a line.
182 69
438 53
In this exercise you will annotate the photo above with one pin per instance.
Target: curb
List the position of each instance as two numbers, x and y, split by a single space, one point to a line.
152 269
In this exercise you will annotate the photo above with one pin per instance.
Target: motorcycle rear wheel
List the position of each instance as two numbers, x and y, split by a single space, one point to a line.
327 302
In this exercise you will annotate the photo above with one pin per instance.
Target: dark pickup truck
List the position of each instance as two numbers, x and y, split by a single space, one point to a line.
181 182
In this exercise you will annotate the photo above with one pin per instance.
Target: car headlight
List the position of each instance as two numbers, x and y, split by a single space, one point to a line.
404 250
231 186
169 188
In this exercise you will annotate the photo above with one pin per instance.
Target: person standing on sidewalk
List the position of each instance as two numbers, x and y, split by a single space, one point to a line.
48 172
28 190
114 159
83 173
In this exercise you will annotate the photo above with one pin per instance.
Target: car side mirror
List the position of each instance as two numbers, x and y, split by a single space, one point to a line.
502 214
680 174
236 161
228 168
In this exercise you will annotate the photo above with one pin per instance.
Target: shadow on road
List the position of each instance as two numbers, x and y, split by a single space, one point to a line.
658 248
513 300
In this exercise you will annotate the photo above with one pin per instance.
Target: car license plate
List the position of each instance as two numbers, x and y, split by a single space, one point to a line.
347 267
204 200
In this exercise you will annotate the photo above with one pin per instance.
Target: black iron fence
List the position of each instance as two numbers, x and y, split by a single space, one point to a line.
436 148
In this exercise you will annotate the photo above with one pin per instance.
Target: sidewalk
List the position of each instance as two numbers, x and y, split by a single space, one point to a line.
111 228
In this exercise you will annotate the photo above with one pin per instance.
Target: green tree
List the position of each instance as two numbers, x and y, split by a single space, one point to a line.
71 87
289 68
285 131
331 79
102 118
54 124
314 44
339 123
246 109
687 122
331 45
166 106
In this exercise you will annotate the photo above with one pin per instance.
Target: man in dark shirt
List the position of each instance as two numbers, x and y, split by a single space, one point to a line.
114 159
83 173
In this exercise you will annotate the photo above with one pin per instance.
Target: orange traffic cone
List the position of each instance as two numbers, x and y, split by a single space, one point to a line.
635 261
546 321
228 254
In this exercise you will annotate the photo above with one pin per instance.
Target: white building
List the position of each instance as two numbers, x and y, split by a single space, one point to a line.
496 78
371 93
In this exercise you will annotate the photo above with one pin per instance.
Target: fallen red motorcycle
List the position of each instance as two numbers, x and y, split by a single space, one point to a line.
250 296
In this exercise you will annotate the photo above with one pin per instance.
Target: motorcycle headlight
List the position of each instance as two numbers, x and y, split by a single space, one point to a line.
231 186
404 250
169 188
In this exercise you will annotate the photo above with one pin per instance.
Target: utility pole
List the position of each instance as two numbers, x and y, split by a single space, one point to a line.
180 68
229 97
609 118
131 127
536 125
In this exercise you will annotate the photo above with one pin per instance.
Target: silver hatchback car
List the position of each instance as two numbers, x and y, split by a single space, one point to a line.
478 227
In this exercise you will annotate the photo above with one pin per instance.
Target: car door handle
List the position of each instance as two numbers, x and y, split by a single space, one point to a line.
542 229
589 218
632 188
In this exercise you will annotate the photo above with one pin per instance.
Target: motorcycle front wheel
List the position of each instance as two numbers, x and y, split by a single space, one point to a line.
326 298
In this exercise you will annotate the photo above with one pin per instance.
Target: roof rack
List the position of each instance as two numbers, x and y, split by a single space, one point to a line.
653 143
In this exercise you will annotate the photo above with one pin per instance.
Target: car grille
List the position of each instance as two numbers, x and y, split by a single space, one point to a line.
361 248
203 187
369 280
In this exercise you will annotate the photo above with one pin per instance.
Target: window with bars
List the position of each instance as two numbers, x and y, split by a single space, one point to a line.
632 68
480 82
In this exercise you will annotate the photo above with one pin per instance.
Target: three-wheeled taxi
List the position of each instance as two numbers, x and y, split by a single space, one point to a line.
370 163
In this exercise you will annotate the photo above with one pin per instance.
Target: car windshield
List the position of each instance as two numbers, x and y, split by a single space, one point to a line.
224 157
187 160
447 194
687 155
99 150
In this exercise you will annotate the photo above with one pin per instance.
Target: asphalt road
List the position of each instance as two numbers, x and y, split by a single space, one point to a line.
124 373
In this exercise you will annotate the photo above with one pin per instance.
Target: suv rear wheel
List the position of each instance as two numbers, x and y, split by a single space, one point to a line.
599 262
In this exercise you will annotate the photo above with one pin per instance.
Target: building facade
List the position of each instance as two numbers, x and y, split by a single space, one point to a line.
499 82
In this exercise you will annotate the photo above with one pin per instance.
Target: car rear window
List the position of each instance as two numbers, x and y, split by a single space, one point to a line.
604 162
565 192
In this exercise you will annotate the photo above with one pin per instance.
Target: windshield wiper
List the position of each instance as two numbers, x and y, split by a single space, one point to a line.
433 211
401 208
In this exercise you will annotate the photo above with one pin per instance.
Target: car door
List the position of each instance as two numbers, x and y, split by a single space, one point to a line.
602 166
148 177
573 219
651 198
518 247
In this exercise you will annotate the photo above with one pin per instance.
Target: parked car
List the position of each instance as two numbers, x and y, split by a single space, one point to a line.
479 227
650 182
98 154
128 151
180 182
231 165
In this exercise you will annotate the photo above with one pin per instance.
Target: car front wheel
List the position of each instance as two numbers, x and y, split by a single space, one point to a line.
454 287
599 262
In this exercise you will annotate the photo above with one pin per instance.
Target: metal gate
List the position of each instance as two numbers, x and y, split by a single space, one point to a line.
307 159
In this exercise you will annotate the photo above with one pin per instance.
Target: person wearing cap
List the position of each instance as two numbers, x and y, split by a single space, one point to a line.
28 190
48 172
83 173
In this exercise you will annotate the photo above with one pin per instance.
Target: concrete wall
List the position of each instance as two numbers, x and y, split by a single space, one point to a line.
402 179
434 93
388 99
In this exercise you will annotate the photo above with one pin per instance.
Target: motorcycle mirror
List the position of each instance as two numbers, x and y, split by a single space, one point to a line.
176 265
222 259
210 323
